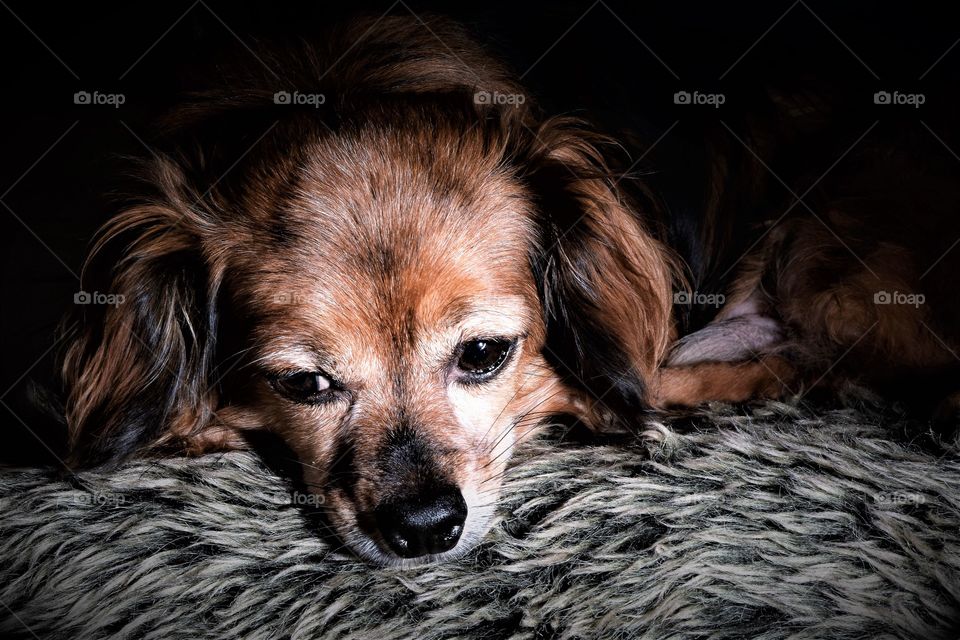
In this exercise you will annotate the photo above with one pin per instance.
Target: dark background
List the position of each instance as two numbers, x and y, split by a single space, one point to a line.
60 160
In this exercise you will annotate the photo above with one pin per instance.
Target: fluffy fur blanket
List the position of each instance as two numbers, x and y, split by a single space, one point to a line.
774 524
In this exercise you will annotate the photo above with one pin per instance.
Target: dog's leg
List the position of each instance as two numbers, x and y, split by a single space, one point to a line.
690 385
733 359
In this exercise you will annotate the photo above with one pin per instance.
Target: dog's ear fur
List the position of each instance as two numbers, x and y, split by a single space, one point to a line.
137 371
605 281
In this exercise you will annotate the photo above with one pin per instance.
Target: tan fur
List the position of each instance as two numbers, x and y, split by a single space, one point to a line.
881 230
370 253
770 377
371 239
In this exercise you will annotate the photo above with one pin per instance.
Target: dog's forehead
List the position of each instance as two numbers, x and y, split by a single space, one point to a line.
376 234
379 195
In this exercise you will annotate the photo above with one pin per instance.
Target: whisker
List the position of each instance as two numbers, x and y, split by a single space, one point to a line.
505 405
528 435
519 420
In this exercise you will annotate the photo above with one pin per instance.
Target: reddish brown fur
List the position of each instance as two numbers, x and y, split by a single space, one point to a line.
369 239
884 226
369 247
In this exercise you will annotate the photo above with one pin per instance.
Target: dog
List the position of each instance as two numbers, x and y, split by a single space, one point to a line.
393 261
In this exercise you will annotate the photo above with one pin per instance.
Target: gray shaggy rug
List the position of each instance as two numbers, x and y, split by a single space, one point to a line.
769 524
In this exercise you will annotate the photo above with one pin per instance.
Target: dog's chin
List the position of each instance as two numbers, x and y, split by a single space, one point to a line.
372 549
372 552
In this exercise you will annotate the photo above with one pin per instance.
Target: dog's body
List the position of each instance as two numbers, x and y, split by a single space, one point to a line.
405 280
853 283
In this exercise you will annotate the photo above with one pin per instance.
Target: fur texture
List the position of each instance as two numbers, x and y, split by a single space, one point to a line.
774 525
321 272
398 283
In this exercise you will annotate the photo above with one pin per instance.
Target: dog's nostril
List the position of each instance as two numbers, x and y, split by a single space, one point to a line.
421 524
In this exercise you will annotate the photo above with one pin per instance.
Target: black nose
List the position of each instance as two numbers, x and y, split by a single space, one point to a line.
422 524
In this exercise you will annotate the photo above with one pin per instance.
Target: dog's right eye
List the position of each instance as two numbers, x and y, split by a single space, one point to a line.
304 386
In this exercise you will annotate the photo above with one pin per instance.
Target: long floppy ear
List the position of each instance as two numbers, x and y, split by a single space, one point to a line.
137 368
605 281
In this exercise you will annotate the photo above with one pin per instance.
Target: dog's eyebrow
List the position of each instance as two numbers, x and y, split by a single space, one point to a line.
504 314
298 357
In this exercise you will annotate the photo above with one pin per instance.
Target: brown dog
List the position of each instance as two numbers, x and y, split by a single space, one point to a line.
395 263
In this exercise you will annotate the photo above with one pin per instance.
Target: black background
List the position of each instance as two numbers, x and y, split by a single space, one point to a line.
594 64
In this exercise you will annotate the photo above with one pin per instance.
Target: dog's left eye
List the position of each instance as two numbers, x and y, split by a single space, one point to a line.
305 386
481 358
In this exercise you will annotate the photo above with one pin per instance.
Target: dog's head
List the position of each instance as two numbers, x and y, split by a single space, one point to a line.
401 284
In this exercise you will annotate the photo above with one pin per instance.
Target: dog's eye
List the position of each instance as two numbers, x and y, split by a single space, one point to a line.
483 357
306 386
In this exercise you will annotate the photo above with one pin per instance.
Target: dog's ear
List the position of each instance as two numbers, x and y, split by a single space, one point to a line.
605 281
136 369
